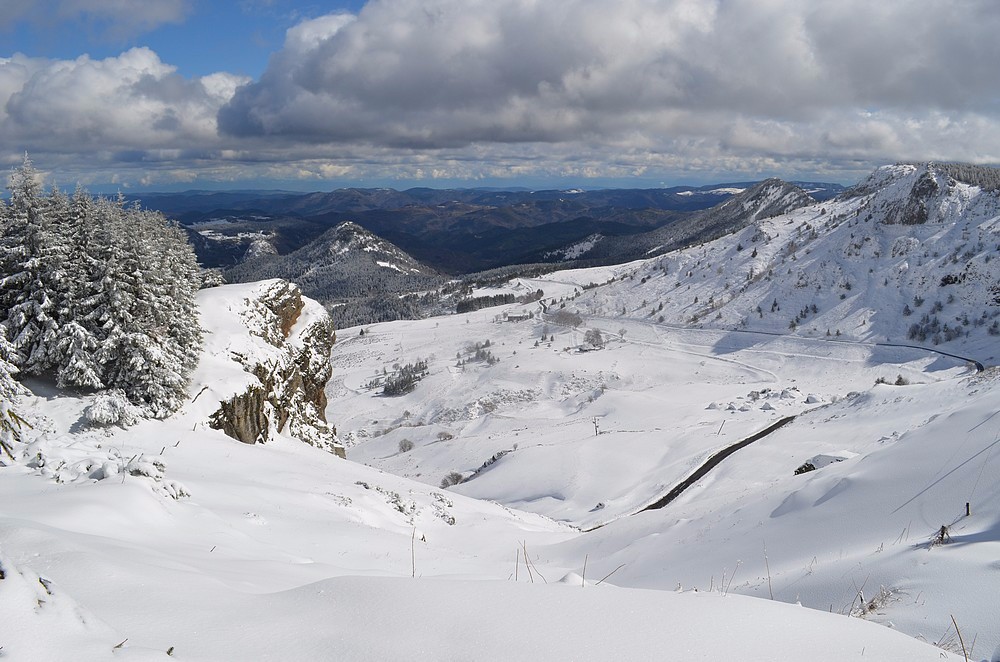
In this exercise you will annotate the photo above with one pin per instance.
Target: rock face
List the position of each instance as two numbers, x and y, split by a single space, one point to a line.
927 193
289 393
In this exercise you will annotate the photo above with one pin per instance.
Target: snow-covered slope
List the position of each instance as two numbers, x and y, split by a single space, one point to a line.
521 431
170 540
858 267
903 430
771 197
148 533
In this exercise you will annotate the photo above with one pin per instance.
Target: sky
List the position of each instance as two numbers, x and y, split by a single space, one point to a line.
191 94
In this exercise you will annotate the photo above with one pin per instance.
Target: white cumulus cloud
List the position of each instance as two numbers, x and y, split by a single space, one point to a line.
132 101
473 89
781 78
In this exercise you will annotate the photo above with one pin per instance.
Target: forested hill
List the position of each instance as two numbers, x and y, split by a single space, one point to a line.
359 276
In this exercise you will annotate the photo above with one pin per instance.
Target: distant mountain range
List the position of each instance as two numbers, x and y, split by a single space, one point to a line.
865 260
454 231
365 276
194 204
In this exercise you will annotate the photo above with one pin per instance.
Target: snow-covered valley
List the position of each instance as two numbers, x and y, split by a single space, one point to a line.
590 438
497 508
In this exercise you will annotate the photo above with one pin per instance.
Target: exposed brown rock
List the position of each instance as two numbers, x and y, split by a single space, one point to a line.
291 391
244 417
286 304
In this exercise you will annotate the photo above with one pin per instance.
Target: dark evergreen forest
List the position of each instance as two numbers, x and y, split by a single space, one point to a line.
97 293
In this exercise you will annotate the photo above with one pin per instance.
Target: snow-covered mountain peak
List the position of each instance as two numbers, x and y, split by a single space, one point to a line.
349 238
343 268
349 235
915 194
770 197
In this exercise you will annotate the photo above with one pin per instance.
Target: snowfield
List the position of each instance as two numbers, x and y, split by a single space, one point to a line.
501 508
895 463
808 315
283 551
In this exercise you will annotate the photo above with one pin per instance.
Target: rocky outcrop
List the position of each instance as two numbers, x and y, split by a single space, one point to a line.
288 393
926 193
245 417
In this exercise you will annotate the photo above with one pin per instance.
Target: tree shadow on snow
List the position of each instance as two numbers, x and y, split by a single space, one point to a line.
737 341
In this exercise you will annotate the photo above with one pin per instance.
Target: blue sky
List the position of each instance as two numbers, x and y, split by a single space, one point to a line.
174 94
208 37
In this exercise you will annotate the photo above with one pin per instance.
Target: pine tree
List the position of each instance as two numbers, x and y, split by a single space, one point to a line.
31 258
77 340
98 292
146 308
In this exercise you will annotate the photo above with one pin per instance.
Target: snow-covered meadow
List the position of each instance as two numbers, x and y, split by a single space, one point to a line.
590 438
499 509
284 551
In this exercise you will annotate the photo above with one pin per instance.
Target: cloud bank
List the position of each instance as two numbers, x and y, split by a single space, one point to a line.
467 89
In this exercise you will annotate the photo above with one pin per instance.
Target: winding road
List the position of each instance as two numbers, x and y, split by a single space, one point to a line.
715 459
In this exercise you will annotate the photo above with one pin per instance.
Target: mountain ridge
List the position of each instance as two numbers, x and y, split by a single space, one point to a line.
354 273
770 197
912 254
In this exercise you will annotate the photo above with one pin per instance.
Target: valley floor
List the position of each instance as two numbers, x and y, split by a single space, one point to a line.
590 438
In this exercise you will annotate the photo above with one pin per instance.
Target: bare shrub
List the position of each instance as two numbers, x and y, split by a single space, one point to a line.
453 478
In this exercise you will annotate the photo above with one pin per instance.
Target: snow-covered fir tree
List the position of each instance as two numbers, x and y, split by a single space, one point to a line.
98 293
31 264
77 342
10 422
145 305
